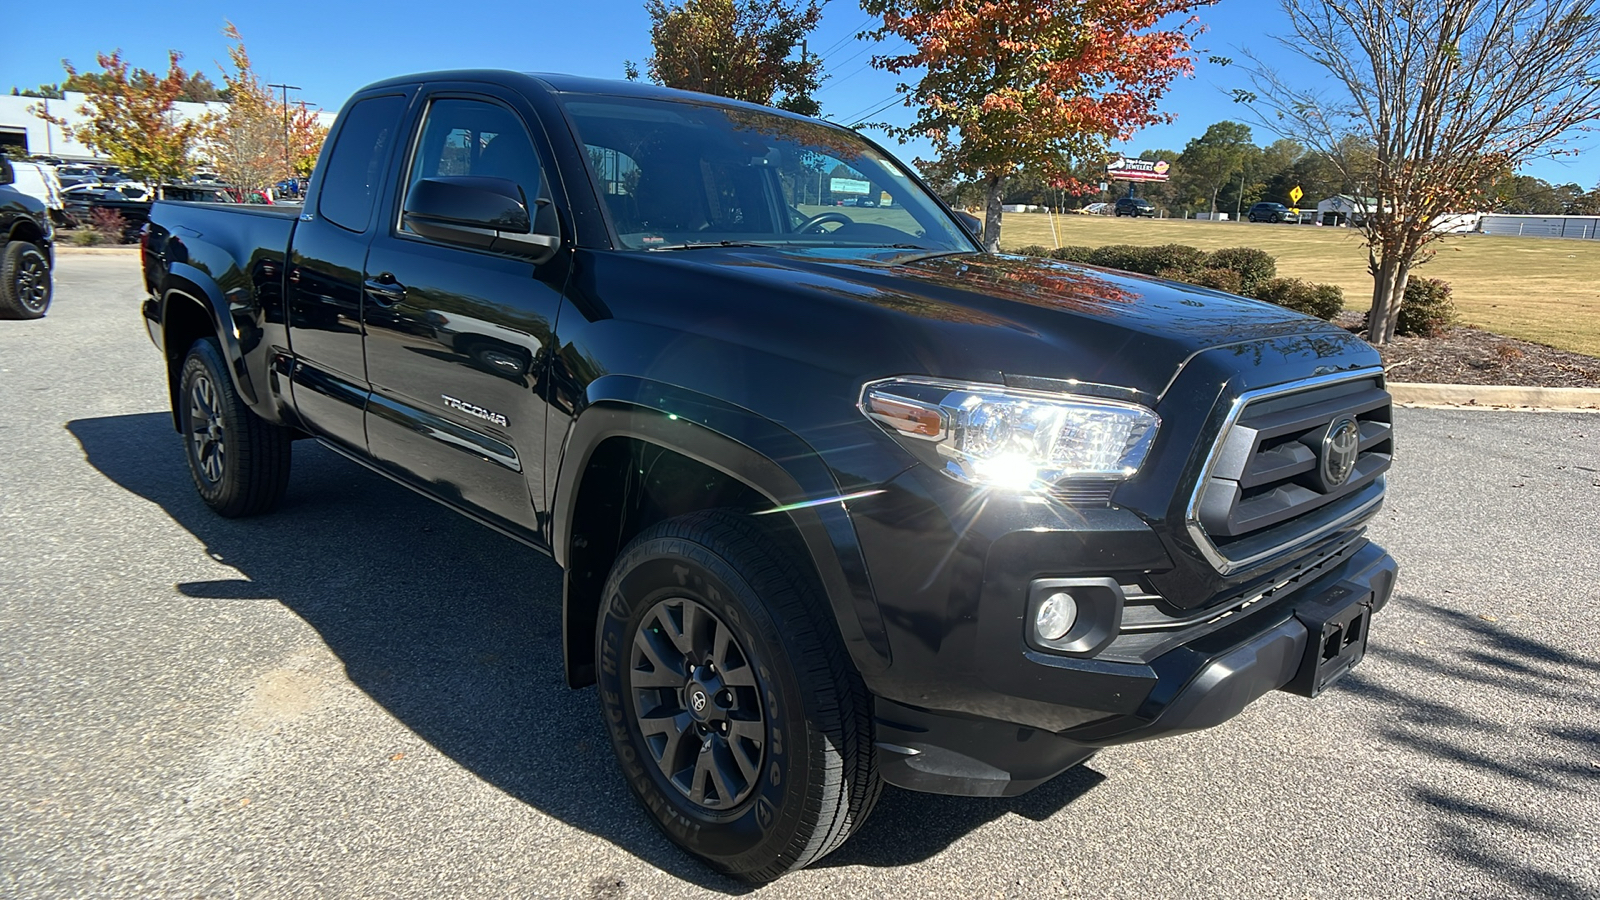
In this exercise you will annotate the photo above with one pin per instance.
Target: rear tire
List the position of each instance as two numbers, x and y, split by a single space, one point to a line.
25 282
736 715
239 461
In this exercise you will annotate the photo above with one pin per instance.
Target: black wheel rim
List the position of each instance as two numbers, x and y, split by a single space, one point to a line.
207 437
33 283
697 704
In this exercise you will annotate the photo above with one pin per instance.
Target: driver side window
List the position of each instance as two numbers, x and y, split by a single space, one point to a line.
477 137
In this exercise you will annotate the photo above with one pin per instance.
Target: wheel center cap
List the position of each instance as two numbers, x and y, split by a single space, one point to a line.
698 701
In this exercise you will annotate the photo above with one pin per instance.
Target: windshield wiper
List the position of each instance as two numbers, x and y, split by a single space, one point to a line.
703 245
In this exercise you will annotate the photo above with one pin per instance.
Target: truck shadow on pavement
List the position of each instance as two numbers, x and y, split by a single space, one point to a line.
1488 666
456 632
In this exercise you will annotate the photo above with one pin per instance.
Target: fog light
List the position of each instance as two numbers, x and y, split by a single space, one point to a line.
1056 616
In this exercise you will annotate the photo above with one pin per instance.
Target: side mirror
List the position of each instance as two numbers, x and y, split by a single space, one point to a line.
7 174
972 223
478 211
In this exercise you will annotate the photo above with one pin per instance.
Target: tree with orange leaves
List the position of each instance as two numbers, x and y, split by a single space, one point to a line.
1008 85
131 117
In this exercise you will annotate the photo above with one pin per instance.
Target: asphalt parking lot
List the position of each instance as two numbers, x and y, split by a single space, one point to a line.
361 695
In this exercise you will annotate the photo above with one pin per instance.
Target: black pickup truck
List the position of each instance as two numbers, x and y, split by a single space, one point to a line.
840 499
27 251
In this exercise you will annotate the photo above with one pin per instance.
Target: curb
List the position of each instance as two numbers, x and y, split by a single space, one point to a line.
1482 396
117 250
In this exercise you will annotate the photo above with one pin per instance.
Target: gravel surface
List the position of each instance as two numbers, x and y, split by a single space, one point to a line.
361 695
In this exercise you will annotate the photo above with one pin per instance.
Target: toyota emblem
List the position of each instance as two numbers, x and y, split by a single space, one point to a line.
1340 446
698 701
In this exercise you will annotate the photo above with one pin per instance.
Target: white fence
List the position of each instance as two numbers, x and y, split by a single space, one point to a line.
1582 227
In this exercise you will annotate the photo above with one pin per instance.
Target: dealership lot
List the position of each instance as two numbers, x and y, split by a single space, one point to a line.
361 695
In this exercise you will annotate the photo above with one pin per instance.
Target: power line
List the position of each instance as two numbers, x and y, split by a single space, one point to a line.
861 119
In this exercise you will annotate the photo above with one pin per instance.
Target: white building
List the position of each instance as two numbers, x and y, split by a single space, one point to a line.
21 128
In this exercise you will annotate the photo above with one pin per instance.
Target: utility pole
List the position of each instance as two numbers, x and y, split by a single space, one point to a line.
287 165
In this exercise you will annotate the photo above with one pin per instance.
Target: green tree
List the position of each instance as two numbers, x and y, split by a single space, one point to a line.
1214 161
1006 86
744 49
129 117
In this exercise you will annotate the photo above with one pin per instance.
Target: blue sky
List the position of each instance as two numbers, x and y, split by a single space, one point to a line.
331 48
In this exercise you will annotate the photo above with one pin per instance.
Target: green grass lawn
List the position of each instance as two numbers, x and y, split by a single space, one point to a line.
1538 289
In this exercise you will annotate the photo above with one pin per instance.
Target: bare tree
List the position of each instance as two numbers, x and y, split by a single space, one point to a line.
1438 97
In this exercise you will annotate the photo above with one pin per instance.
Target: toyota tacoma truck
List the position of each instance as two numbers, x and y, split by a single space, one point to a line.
840 499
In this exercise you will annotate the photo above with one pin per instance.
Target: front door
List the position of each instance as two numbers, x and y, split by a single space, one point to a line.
457 338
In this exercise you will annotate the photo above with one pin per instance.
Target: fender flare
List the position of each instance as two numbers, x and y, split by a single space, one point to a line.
744 445
187 281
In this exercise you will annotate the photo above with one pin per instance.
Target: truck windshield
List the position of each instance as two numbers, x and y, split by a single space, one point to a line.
679 174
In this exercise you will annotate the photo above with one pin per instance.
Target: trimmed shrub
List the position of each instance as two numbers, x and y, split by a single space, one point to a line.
87 237
1072 253
1427 309
1254 266
1174 258
1219 280
1126 257
1032 250
1321 300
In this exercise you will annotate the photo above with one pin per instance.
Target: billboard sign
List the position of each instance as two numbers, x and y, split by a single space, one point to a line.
849 186
1129 169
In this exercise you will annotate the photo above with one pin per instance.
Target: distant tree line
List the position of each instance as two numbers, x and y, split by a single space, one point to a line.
196 88
1224 170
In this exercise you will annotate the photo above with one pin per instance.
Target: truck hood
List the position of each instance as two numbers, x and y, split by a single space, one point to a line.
984 317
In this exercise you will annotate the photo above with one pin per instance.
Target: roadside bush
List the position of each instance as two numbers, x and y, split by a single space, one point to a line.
1126 257
87 237
1254 266
1174 258
1427 309
1032 250
1321 300
109 224
1218 280
1072 253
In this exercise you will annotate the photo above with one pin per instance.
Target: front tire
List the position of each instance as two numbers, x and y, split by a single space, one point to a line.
735 713
239 461
25 282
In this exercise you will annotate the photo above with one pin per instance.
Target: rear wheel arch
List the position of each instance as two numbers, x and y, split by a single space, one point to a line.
189 312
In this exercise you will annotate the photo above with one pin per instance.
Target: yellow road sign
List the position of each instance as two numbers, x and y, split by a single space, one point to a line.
1295 194
1294 210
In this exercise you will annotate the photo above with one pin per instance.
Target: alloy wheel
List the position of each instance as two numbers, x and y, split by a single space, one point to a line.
207 435
697 704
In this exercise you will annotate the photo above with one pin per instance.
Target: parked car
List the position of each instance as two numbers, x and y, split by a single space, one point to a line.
27 250
839 502
1135 207
1268 212
39 181
75 175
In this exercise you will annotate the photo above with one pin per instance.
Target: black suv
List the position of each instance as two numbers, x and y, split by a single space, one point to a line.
1134 206
26 254
1268 212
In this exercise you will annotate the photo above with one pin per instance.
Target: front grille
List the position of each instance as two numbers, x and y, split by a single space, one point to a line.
1281 475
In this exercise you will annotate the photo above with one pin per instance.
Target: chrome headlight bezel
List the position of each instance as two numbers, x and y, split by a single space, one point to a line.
991 435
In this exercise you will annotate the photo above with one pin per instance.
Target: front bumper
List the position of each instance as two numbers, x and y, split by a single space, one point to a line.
1300 642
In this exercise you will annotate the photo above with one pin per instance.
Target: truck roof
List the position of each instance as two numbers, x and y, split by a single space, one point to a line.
553 82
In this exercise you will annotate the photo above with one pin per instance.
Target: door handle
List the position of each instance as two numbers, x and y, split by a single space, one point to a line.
385 290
